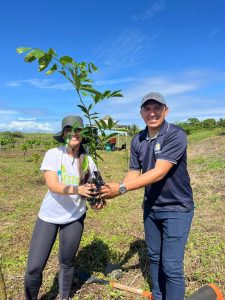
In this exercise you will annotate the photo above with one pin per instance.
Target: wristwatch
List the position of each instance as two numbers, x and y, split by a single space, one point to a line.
122 188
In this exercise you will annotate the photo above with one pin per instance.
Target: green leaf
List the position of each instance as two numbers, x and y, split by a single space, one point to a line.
33 55
77 81
84 94
94 68
97 98
110 123
38 53
83 108
51 52
106 94
29 58
85 164
89 88
52 70
116 94
63 72
103 123
20 50
43 62
65 60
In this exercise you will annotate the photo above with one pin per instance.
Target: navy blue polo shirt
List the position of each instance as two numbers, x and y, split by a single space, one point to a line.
173 192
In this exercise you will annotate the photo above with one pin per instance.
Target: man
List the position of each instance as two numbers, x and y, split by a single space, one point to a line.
158 162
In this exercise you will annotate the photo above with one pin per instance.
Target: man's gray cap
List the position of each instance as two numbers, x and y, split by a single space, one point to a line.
68 121
154 96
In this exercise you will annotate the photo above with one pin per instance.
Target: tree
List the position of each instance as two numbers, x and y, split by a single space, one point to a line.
79 75
209 123
132 129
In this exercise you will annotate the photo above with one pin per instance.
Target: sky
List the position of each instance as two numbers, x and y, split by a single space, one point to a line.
175 47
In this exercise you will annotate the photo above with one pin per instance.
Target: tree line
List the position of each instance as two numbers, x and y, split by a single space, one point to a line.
194 124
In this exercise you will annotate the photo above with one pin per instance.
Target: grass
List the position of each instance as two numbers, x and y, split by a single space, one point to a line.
114 234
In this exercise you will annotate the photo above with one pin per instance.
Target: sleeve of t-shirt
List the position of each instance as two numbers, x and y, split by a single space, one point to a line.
92 165
174 146
134 161
50 161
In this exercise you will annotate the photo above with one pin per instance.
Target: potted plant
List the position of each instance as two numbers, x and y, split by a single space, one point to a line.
78 74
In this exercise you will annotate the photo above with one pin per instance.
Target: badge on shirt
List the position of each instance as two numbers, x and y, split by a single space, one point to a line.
157 147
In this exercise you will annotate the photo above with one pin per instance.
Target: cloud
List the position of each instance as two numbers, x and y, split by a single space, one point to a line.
8 112
183 91
41 84
26 119
126 48
27 126
214 32
151 11
115 81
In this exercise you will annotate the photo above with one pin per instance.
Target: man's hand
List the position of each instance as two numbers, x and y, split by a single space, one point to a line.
110 190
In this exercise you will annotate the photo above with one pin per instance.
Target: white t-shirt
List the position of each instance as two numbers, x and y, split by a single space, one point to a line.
58 208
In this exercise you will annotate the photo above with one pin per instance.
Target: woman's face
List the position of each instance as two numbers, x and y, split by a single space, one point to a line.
76 138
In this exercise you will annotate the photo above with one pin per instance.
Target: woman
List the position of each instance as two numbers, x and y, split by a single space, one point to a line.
63 208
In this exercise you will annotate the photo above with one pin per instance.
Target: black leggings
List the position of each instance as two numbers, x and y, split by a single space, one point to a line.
43 238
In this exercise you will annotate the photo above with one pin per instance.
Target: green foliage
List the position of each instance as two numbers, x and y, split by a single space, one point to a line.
132 130
79 75
8 141
193 124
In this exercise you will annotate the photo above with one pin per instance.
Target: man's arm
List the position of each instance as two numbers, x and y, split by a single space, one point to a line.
134 180
131 175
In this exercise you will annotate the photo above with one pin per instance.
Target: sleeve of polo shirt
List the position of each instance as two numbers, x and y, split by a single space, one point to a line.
134 161
174 146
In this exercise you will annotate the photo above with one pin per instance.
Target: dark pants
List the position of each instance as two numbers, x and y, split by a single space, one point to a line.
166 235
43 238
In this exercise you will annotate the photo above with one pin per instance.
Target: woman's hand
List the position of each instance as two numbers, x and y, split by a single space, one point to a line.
86 190
99 205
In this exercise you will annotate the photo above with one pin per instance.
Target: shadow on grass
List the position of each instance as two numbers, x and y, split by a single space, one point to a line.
92 258
95 257
140 248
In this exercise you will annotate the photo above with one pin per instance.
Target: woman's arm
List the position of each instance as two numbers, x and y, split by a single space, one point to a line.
52 182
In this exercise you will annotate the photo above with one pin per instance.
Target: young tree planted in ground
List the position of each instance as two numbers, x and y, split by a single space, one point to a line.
79 75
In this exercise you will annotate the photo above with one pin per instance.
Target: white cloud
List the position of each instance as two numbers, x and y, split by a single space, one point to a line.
8 112
114 81
125 49
26 119
27 126
151 11
183 92
41 84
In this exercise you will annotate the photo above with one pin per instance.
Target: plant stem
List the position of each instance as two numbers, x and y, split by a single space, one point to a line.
2 287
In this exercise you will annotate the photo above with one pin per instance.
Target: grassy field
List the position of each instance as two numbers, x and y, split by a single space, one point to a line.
113 235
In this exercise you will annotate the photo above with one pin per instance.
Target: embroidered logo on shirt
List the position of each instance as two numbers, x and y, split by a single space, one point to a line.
157 147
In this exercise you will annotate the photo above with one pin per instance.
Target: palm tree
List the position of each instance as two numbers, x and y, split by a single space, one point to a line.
132 129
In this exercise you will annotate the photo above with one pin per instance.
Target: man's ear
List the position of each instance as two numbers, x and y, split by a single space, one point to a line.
166 111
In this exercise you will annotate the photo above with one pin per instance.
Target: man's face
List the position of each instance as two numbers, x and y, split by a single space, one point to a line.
154 113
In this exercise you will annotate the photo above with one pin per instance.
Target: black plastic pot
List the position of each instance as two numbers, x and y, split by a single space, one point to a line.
96 179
